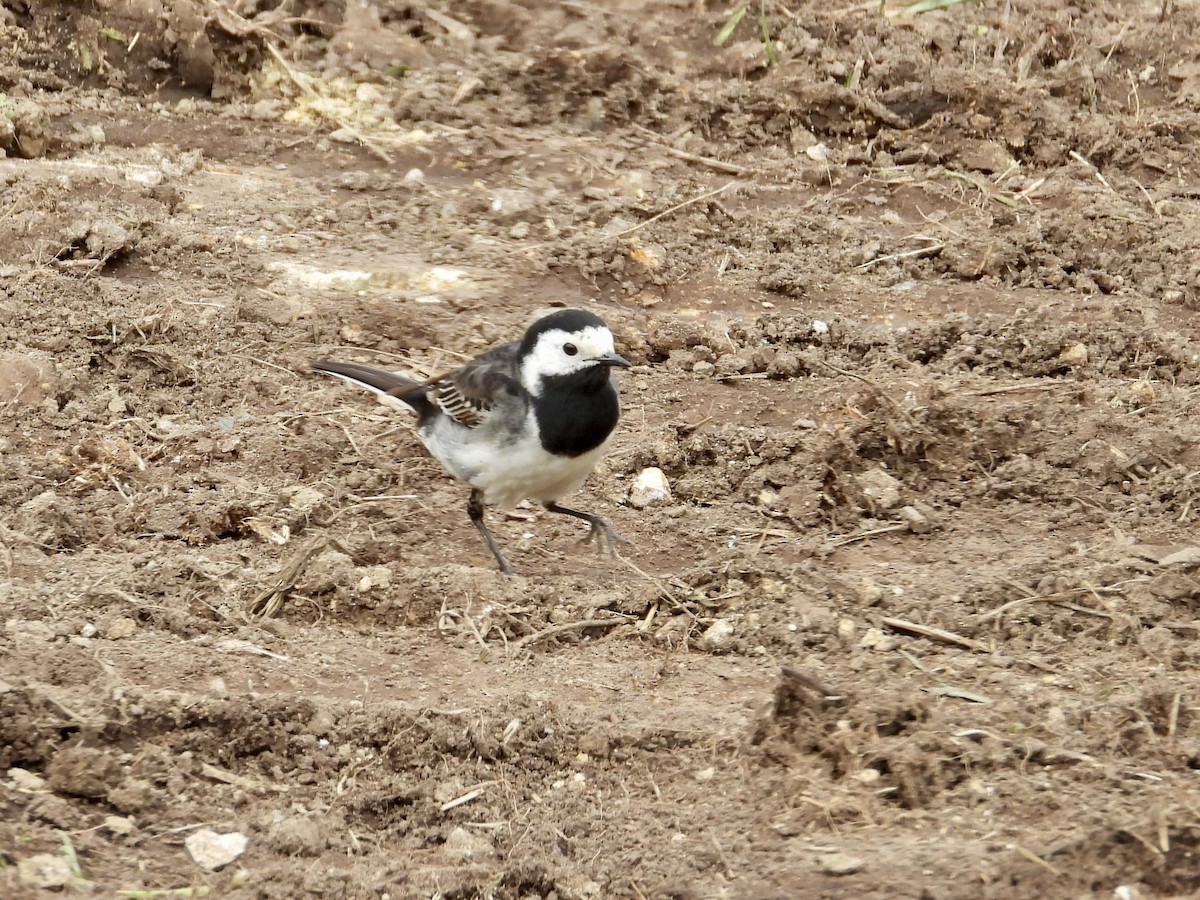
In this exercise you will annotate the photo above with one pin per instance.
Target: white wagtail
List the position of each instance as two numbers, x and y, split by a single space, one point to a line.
527 420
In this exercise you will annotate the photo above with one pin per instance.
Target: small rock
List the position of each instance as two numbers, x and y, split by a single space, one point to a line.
353 333
211 851
718 635
463 845
375 577
703 369
647 255
1188 558
119 825
44 870
322 722
869 592
1171 586
733 364
143 176
103 238
414 176
874 639
55 811
510 204
24 780
596 743
302 497
986 156
25 380
30 631
298 836
786 364
1142 393
120 628
83 772
1074 356
649 487
917 521
817 153
24 127
880 487
705 775
266 110
134 795
842 864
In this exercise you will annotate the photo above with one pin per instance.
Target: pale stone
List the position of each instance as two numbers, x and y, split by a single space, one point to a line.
649 488
212 851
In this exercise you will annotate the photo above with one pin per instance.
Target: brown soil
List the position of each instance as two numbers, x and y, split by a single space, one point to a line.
913 312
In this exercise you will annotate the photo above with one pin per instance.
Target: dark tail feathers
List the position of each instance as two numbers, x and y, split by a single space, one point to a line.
389 384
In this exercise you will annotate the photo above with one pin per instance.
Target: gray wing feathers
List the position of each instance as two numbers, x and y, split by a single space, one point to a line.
465 395
487 381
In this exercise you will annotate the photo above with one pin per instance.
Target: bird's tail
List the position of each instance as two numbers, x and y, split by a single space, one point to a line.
388 385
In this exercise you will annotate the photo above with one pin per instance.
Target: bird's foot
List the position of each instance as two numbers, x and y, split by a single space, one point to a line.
604 538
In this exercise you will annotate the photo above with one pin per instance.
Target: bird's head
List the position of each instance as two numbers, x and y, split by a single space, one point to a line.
567 345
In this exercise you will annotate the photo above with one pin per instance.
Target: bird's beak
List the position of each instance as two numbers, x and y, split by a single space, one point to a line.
613 359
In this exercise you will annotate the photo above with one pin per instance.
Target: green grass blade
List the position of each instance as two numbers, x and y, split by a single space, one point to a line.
734 20
768 44
69 854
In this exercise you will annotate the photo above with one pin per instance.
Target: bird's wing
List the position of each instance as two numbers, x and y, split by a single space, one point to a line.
468 394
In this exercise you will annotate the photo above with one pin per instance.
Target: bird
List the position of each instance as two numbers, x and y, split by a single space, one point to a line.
525 420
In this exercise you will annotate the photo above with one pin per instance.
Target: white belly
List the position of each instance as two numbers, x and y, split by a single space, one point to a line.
512 472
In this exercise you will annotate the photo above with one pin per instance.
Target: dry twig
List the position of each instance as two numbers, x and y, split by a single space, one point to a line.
270 600
531 639
933 633
675 208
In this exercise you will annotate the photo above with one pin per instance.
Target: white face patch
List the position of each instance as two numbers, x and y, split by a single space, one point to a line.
552 354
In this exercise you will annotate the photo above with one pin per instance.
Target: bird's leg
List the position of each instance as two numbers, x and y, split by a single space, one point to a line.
600 531
475 511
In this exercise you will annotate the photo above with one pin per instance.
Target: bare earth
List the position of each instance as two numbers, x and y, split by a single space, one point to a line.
913 312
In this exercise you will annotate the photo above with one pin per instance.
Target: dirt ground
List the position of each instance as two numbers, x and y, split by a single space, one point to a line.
911 298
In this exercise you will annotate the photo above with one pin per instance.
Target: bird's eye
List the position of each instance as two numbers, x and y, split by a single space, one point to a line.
570 349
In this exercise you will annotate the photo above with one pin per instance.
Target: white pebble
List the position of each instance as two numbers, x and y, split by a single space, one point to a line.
718 635
649 487
842 864
44 870
1075 356
212 851
818 153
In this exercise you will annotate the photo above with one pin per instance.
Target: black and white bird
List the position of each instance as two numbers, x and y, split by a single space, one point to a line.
527 420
